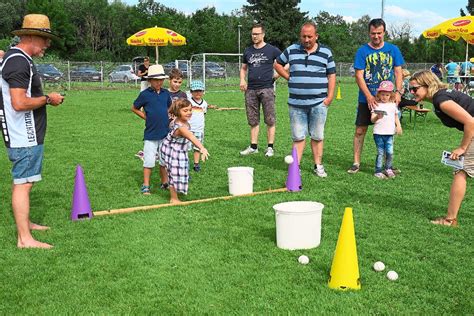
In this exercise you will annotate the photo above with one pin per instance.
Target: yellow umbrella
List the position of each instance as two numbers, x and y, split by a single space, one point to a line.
460 27
156 36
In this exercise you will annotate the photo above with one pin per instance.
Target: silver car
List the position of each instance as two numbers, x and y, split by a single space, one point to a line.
123 73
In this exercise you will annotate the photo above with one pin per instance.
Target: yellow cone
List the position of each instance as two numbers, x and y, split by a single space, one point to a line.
345 268
338 96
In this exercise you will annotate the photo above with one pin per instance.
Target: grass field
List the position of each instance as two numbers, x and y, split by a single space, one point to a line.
221 257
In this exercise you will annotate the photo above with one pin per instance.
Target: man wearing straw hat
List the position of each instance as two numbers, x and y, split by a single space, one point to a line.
23 116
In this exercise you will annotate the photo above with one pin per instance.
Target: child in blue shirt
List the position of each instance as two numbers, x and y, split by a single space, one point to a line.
152 105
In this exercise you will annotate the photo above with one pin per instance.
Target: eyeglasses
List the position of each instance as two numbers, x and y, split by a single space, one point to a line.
414 89
256 34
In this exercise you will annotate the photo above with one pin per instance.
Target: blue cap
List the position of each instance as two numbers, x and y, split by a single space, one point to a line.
197 85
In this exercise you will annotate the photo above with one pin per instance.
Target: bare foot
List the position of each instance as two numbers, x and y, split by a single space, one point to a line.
34 226
33 244
175 201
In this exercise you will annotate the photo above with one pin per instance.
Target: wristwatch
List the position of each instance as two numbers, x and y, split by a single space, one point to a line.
400 92
48 99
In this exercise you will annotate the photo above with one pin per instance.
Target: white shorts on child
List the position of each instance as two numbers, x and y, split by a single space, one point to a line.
150 152
200 137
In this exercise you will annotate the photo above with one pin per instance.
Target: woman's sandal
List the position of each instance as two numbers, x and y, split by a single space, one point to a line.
453 222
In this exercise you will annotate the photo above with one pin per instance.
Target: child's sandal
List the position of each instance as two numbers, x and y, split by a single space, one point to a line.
453 222
145 189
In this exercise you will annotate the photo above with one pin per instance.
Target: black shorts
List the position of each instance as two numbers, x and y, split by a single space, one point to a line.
405 102
363 115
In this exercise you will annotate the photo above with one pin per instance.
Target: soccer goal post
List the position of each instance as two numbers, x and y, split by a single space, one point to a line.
218 71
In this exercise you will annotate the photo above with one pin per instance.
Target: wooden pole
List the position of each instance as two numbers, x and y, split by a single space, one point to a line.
156 206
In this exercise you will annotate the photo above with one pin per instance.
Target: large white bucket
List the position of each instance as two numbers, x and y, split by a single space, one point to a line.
240 180
298 224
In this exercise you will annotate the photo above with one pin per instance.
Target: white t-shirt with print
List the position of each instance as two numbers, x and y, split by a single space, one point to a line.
197 120
386 125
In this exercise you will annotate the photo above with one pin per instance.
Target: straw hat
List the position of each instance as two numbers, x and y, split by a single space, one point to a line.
36 24
156 72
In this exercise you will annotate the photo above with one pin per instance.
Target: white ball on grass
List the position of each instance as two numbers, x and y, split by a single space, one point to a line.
303 259
289 159
392 275
379 266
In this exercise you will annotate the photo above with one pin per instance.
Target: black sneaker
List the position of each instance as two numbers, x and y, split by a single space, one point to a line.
197 167
164 186
354 169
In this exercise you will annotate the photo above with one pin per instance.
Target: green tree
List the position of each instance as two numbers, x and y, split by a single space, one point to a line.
12 12
469 8
333 32
282 19
61 23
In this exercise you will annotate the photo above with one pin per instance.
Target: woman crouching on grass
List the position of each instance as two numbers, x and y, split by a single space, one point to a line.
454 109
174 148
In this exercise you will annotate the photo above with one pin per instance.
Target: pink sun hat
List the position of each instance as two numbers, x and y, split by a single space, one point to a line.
386 86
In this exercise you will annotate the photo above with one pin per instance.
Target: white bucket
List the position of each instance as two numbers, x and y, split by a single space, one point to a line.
298 224
240 180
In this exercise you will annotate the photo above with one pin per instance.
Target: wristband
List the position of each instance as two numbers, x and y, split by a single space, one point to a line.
48 99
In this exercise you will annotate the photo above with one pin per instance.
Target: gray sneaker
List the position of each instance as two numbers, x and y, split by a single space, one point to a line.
320 172
248 151
269 152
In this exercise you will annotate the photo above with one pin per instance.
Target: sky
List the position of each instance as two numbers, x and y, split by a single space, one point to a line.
421 14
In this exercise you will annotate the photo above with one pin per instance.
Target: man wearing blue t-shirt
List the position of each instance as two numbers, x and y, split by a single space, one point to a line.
452 71
374 62
257 68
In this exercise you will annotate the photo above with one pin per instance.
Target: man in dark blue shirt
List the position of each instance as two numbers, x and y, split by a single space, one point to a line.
258 64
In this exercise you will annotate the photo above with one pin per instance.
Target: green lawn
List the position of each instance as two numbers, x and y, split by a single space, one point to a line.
221 257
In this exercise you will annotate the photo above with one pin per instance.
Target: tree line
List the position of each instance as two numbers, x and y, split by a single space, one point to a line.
94 30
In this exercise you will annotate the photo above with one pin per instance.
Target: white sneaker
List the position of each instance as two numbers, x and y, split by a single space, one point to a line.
248 151
269 152
319 171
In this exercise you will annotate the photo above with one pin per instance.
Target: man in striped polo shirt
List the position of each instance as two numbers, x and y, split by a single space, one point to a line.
311 83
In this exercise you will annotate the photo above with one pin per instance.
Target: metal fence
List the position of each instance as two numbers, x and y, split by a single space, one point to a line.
107 75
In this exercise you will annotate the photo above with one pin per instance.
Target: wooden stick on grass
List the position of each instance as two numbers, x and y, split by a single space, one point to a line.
152 207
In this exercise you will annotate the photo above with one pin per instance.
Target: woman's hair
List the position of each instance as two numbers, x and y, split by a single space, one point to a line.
177 105
428 79
392 96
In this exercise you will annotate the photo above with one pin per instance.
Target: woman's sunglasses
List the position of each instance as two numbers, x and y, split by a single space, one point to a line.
414 89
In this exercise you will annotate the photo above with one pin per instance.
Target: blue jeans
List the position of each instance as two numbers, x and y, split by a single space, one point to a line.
308 120
27 163
384 145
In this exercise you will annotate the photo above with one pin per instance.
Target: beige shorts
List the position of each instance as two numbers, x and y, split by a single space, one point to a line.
469 160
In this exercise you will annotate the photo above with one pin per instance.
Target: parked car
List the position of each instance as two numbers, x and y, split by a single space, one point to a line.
85 73
213 70
49 73
123 73
181 66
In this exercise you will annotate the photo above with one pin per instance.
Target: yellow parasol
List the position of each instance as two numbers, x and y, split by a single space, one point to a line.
456 28
156 36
